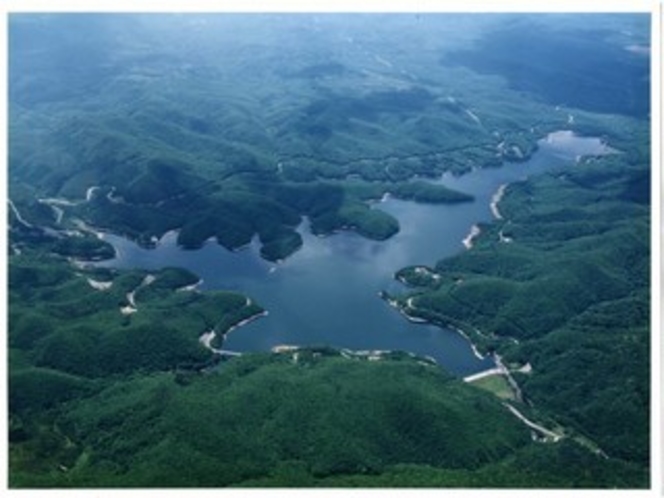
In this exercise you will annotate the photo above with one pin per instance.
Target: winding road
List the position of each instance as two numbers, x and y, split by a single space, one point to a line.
543 430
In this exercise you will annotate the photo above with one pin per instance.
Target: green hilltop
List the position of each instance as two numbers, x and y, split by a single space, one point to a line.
244 127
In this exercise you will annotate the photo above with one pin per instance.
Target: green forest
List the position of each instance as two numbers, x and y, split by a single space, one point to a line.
395 422
215 147
566 290
245 128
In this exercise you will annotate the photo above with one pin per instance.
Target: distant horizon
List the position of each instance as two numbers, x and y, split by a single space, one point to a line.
451 219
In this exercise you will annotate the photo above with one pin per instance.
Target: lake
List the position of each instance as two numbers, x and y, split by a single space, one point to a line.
327 292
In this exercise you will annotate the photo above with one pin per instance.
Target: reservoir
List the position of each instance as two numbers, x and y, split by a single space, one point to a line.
327 292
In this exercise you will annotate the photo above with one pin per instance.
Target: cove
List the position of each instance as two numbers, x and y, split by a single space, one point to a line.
327 292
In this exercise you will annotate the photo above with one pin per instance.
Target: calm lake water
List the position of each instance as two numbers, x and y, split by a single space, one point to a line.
327 292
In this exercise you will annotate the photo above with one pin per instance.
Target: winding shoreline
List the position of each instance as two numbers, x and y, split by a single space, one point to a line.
472 235
495 199
476 352
246 321
421 321
469 241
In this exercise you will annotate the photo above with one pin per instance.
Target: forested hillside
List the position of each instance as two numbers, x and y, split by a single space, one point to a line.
562 283
247 124
250 129
302 418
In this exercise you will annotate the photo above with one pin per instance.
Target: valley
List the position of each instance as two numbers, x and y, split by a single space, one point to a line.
329 251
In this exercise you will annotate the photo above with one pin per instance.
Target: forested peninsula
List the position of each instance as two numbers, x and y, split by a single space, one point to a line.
94 348
122 378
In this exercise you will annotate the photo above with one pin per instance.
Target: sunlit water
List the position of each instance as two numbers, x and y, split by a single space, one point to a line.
327 292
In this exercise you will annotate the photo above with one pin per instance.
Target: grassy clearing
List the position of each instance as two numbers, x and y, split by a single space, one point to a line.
496 384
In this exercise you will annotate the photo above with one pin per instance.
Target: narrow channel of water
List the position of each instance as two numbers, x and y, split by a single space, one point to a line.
327 293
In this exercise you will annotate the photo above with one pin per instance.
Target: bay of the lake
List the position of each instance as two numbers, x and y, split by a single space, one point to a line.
327 292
